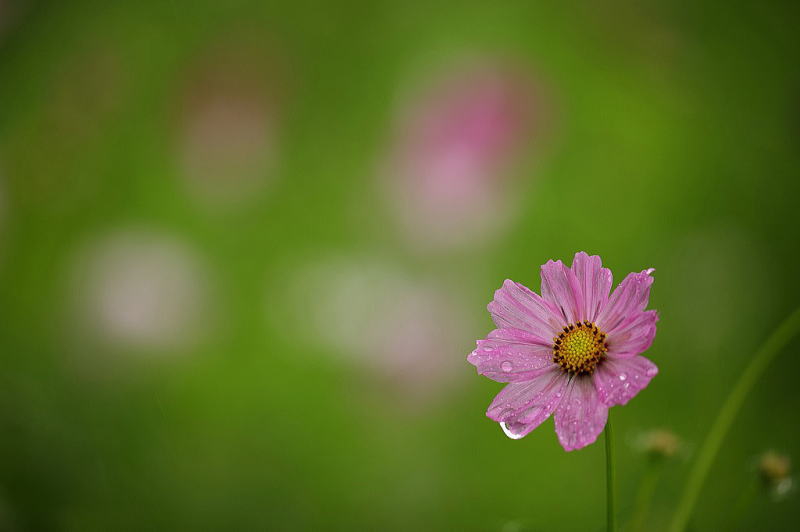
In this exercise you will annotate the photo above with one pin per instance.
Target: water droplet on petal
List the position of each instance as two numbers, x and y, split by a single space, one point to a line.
623 376
507 366
512 435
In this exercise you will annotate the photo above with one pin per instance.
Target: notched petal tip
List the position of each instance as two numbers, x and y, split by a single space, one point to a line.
498 294
594 284
552 263
508 284
586 256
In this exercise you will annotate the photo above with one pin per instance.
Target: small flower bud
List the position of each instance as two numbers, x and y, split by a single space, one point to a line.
774 467
660 443
775 470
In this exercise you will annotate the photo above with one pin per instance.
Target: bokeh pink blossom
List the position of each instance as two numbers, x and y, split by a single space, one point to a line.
459 139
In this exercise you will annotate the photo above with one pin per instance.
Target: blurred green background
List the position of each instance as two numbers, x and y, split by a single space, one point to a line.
245 248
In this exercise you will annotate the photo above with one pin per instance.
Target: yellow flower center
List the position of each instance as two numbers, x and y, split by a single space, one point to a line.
579 348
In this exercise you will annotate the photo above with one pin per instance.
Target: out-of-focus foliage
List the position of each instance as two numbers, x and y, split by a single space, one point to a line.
245 248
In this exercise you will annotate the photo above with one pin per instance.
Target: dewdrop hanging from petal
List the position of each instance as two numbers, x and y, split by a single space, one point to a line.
572 352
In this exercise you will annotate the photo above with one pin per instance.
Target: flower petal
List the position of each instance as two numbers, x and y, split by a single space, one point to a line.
512 355
560 287
520 407
594 281
628 299
516 306
634 336
618 380
580 416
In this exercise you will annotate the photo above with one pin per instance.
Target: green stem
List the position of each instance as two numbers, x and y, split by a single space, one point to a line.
647 489
726 415
742 505
611 518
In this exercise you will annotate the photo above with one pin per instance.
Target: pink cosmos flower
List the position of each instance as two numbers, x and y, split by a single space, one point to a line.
573 352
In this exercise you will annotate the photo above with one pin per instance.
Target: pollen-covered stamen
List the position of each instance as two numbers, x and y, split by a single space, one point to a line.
579 348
